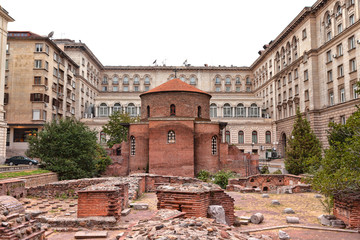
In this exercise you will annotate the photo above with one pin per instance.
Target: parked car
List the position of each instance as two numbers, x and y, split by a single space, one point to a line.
20 160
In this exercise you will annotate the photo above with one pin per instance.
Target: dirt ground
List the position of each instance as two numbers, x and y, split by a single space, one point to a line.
305 205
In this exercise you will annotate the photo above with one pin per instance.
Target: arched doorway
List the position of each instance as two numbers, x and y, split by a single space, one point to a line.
283 144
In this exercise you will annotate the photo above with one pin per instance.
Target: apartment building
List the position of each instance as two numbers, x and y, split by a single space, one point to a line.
311 65
4 20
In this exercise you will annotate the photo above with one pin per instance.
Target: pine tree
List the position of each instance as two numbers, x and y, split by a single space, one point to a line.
303 151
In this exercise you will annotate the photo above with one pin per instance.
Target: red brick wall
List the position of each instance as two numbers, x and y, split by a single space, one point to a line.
221 198
204 160
139 161
347 208
186 104
176 159
13 187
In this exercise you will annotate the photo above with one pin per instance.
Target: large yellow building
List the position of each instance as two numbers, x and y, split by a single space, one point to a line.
312 64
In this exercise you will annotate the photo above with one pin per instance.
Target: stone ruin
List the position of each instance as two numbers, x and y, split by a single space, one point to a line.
269 183
15 223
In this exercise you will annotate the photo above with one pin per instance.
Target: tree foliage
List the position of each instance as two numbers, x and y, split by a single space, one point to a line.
114 129
67 147
303 151
340 168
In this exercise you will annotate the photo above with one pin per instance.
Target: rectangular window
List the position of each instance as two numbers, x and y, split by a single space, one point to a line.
289 77
331 98
7 64
340 28
306 75
306 95
46 65
351 19
351 42
296 73
328 56
227 89
104 88
217 89
339 50
355 90
248 89
296 89
147 88
340 71
21 134
342 95
38 63
115 88
47 49
136 88
126 88
55 57
329 76
37 80
8 48
55 72
342 119
44 115
352 65
217 80
237 89
38 47
36 114
328 36
304 35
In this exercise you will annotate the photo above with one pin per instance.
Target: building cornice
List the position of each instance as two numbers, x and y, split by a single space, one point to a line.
179 68
5 15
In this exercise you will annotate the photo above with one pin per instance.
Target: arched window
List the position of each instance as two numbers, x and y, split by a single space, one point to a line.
241 137
126 80
171 137
132 146
213 110
240 110
136 80
103 110
148 111
214 145
131 110
254 110
227 137
192 80
102 137
115 80
117 107
227 110
147 80
172 110
268 137
199 112
254 137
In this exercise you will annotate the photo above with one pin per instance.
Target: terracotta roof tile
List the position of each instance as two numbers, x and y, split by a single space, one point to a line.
175 85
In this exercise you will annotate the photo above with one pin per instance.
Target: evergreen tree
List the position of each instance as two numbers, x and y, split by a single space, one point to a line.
114 128
67 147
303 151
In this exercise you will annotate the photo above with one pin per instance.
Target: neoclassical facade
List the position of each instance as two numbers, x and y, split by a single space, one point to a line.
311 65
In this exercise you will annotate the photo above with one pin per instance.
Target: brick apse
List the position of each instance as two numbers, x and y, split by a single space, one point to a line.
176 137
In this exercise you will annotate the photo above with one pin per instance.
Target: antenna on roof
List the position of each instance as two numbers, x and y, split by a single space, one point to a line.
51 34
154 63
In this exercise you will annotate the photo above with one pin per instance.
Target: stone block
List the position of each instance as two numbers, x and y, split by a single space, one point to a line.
288 211
283 235
257 218
217 212
140 206
337 223
265 196
91 234
125 212
275 202
325 219
292 220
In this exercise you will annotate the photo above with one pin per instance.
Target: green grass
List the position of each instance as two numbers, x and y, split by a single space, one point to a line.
21 174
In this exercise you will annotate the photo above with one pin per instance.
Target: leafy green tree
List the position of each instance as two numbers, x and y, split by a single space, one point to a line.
221 178
67 147
340 168
102 160
115 130
303 151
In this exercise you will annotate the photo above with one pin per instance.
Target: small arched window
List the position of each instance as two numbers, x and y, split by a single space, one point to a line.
241 137
199 111
171 137
254 137
172 110
117 107
148 111
115 80
126 80
213 110
227 110
131 110
268 137
254 110
240 110
227 137
192 80
214 145
132 146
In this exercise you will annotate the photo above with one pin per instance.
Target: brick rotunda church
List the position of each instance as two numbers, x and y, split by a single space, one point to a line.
175 136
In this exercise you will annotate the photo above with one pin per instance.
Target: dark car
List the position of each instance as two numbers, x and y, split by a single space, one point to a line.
20 160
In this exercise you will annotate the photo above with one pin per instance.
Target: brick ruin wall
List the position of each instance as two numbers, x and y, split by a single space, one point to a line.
347 209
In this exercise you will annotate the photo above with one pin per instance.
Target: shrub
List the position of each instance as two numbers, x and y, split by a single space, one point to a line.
221 178
277 172
204 175
265 170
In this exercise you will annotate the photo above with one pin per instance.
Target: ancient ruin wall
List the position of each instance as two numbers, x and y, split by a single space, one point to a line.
347 209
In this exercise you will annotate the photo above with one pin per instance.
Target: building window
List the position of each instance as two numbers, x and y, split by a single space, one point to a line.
171 137
126 88
217 89
102 137
268 137
47 65
214 145
352 65
328 56
117 107
355 90
172 110
115 80
248 89
126 80
105 80
254 137
241 137
227 80
227 110
306 75
340 71
351 42
237 89
38 47
136 80
115 88
340 28
132 146
8 48
339 50
147 80
306 95
213 110
38 63
136 88
217 80
328 36
329 76
296 89
227 137
240 110
44 115
289 77
238 80
342 95
254 112
148 111
351 19
192 81
103 110
342 120
147 88
21 134
37 80
36 114
131 110
47 49
304 35
104 88
227 89
331 98
199 112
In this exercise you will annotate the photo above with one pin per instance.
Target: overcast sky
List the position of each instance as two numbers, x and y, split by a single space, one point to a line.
136 32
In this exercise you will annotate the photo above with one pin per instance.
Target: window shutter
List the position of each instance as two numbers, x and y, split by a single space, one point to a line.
32 97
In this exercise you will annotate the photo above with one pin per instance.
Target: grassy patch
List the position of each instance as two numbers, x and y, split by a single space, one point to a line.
21 174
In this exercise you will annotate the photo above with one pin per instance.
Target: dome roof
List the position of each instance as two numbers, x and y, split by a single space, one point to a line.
175 85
